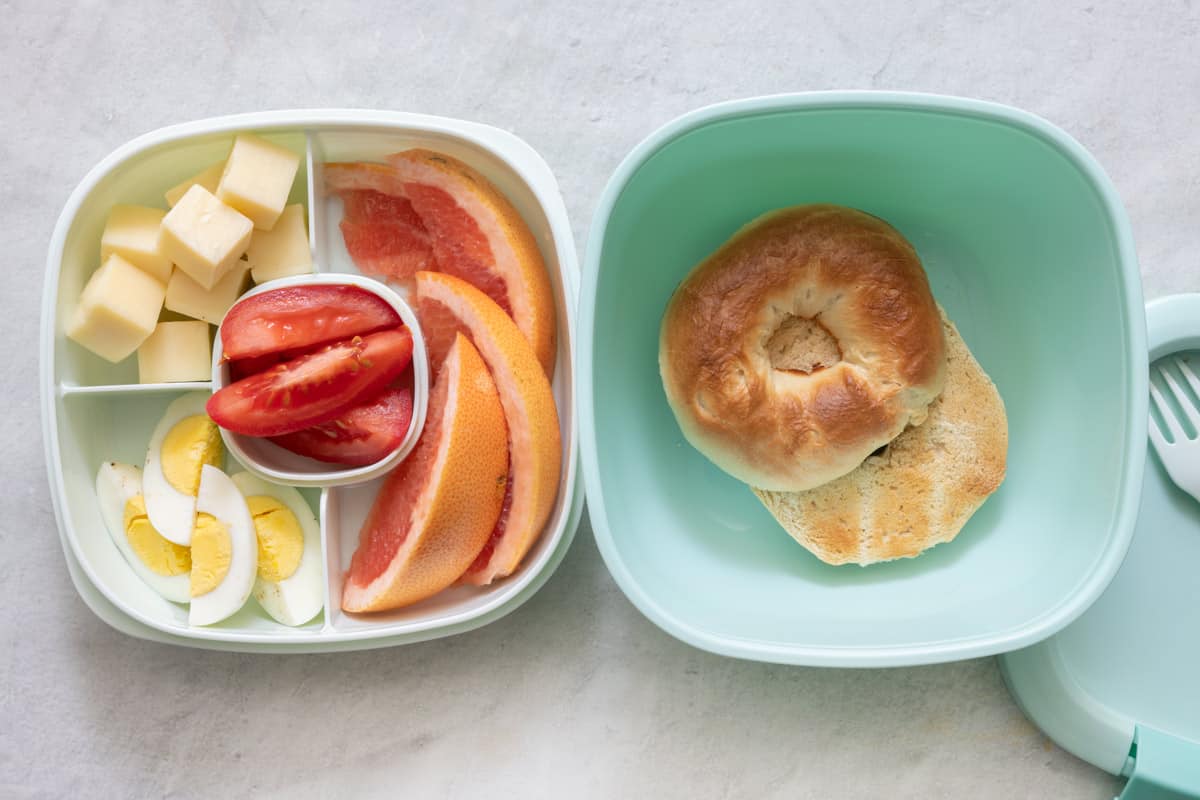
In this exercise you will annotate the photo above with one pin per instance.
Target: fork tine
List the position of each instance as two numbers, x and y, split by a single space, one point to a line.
1186 371
1186 403
1167 414
1156 437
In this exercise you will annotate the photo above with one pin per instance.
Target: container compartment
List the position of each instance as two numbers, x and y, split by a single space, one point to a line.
346 507
140 178
116 426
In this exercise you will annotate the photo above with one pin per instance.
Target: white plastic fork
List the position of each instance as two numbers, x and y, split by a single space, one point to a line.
1181 456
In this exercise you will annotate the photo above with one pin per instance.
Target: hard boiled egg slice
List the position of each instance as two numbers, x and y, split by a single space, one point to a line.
184 440
162 564
290 585
224 550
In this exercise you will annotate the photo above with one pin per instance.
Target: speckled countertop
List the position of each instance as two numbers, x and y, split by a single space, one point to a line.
575 694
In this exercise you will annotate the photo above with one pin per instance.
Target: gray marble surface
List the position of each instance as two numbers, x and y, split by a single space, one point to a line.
576 694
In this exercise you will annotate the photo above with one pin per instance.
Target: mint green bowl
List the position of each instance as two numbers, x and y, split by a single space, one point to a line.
1028 248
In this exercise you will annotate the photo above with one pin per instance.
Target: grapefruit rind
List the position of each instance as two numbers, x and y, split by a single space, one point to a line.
516 261
534 440
515 251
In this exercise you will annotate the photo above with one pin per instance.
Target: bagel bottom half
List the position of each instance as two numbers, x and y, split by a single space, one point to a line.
921 489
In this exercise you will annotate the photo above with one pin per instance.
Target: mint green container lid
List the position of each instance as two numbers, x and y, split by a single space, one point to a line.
1120 687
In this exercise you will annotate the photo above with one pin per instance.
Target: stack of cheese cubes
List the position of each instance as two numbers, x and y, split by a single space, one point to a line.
227 225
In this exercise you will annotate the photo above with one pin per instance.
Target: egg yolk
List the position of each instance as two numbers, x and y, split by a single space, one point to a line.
280 538
161 556
190 444
212 550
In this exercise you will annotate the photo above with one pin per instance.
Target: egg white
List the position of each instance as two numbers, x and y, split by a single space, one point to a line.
171 512
299 597
116 485
219 497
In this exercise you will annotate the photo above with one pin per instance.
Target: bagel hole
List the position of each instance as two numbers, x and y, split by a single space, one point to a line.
802 344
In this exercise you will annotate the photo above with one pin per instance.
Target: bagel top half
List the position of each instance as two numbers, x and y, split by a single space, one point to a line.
806 342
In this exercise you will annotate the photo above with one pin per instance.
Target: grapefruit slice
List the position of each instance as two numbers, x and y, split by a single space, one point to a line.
448 306
439 507
383 233
364 205
392 252
473 231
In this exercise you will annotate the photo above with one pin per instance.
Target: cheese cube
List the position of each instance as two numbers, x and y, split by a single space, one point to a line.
132 233
283 250
176 351
257 179
117 310
209 179
203 236
189 298
166 315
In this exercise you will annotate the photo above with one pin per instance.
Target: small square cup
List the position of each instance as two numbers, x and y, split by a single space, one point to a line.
270 461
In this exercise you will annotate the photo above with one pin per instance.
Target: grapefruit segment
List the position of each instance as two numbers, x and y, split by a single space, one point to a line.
383 233
365 205
478 236
437 509
449 306
393 252
472 232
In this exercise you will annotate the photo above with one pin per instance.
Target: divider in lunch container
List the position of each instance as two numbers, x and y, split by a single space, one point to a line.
117 415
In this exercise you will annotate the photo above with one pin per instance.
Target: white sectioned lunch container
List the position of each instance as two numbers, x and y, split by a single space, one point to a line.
93 411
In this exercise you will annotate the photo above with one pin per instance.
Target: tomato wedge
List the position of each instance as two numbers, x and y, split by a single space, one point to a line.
300 317
313 388
363 435
245 367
